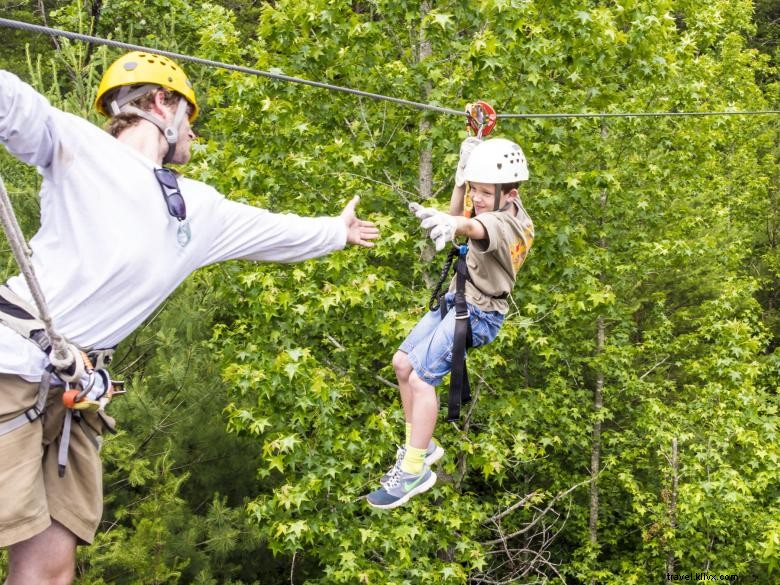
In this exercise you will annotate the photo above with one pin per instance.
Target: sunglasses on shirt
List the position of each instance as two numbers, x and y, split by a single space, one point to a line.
171 193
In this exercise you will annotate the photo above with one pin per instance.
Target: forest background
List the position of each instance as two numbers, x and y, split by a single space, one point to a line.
625 421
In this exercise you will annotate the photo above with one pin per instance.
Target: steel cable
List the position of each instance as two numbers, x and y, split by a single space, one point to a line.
287 78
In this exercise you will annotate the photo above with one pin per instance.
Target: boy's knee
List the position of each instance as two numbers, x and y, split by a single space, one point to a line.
401 363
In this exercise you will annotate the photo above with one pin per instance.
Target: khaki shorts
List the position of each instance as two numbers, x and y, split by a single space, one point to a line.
32 491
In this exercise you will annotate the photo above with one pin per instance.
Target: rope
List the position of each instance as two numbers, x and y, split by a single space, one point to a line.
642 114
435 301
418 105
22 253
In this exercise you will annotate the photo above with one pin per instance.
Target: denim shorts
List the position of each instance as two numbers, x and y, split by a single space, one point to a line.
429 345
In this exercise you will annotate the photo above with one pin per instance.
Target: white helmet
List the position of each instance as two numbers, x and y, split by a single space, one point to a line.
496 161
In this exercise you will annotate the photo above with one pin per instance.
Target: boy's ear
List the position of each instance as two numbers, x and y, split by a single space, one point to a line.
513 194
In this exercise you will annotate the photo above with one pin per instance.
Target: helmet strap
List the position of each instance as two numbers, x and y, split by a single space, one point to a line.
497 201
170 132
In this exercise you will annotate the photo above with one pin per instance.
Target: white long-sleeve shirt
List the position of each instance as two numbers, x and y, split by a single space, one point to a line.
106 254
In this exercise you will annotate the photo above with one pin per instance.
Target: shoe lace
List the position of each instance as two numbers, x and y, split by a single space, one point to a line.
396 469
395 478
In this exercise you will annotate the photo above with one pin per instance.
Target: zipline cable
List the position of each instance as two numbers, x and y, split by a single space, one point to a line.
418 105
99 41
643 114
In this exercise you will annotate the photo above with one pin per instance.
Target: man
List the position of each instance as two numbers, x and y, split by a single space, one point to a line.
118 234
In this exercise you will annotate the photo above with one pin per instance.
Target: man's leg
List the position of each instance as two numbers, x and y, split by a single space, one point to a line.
48 558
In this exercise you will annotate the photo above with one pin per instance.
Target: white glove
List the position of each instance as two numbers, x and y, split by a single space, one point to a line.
422 212
465 152
441 225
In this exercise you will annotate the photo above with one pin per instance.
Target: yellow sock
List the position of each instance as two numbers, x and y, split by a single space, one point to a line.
408 437
413 460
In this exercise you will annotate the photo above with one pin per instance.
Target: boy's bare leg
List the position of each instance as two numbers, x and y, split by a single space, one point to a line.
425 408
403 369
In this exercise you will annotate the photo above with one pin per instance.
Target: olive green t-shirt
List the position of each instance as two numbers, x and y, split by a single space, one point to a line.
493 263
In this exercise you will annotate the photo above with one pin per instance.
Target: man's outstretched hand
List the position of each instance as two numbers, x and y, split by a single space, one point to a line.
359 232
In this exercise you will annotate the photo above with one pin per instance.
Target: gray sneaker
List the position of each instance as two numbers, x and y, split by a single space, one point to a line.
401 487
432 455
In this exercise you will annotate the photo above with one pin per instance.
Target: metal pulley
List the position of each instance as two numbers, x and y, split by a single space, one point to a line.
480 118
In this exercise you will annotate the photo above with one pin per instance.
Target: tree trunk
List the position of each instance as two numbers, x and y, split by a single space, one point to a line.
595 450
672 506
598 398
425 183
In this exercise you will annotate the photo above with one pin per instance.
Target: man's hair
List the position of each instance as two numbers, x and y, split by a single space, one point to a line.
120 122
507 187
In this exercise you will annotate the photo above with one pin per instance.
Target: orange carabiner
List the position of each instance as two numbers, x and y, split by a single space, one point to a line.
480 118
69 398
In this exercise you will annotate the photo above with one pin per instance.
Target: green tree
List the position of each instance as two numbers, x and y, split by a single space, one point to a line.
625 421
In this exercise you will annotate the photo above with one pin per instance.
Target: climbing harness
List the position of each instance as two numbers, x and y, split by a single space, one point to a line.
460 389
69 363
459 378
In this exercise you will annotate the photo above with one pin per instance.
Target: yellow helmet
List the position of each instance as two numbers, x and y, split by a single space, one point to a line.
146 68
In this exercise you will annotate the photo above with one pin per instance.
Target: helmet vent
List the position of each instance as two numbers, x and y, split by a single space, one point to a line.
499 165
130 65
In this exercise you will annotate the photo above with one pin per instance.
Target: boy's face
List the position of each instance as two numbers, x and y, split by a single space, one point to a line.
483 195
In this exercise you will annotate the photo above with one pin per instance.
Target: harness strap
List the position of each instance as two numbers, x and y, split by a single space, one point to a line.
19 316
170 132
460 388
62 454
459 377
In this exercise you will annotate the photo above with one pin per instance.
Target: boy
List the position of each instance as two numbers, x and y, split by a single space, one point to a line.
500 236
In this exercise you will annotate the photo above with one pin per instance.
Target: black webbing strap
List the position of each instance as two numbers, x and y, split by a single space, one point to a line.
459 377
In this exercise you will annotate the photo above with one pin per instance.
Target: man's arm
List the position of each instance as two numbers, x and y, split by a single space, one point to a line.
25 121
251 233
